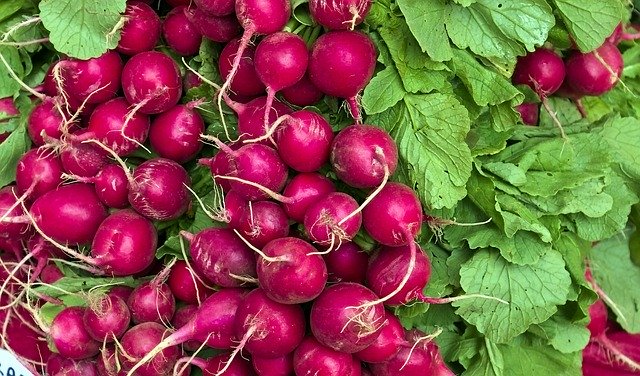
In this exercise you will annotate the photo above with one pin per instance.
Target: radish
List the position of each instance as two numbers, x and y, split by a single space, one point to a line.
419 338
37 173
246 81
387 344
183 316
217 8
598 316
46 120
251 117
235 367
137 343
290 271
347 263
280 366
151 81
312 358
281 60
50 274
364 156
111 186
141 30
304 190
303 93
152 302
341 64
180 33
407 361
108 362
308 131
177 3
21 336
337 320
185 285
81 368
542 70
339 14
595 72
107 318
618 352
263 222
333 219
220 165
220 256
122 292
56 362
82 159
175 133
218 29
235 208
69 335
528 113
95 80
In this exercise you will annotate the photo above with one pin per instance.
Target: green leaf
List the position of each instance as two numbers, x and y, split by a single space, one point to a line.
590 22
82 28
8 9
533 292
8 85
383 91
426 19
71 285
488 362
10 152
527 360
623 137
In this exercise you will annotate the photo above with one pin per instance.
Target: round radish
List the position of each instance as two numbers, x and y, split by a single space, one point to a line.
347 263
330 220
251 116
138 341
216 8
107 318
46 119
83 159
69 335
113 124
595 72
541 70
37 173
303 93
262 222
305 189
95 80
23 337
529 113
141 30
407 361
112 187
308 131
175 133
185 285
280 366
218 29
180 33
387 344
598 316
81 368
245 81
339 14
122 292
312 358
152 302
50 274
235 208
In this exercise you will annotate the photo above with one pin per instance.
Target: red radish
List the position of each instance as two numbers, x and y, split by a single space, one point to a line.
406 362
216 8
46 119
312 358
332 220
69 336
107 362
598 316
528 113
339 14
337 321
251 117
107 318
303 93
152 302
180 33
7 109
347 263
263 222
81 368
218 29
245 81
190 81
183 316
22 336
220 165
95 80
56 362
267 328
220 256
280 366
364 156
82 159
617 352
281 60
37 173
112 124
341 65
50 274
175 133
234 209
185 285
137 343
236 367
419 338
292 272
152 82
308 131
141 30
111 186
387 344
158 189
304 190
595 72
122 292
541 70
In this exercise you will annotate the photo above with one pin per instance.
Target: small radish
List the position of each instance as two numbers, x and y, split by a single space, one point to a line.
185 285
407 361
81 368
107 318
141 30
137 343
281 60
304 190
280 366
542 70
218 29
46 120
347 263
251 117
107 362
332 219
70 337
337 321
339 14
387 344
50 274
111 186
122 292
312 358
82 159
245 81
22 336
95 80
235 208
595 72
216 8
528 113
175 133
341 64
152 302
151 81
303 93
180 33
262 222
37 173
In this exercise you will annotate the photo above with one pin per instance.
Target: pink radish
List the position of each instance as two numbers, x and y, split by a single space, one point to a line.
137 343
387 344
82 159
95 80
46 120
216 8
185 285
245 81
180 33
175 133
528 113
595 72
141 30
332 220
280 366
69 336
303 93
312 358
339 14
542 70
304 190
262 222
218 29
347 263
37 173
152 302
107 318
111 186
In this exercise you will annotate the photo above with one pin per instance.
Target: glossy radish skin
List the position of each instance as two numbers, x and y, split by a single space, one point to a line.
180 33
263 222
263 17
406 362
69 336
587 74
183 316
159 189
217 253
107 125
305 189
359 154
347 263
107 318
303 93
542 70
185 285
95 80
235 208
298 278
394 216
216 8
528 113
270 329
122 292
387 344
218 29
125 243
83 159
280 366
45 118
251 117
139 340
69 206
308 131
246 81
598 316
141 30
388 267
337 322
154 79
259 164
112 187
321 220
175 133
339 14
152 302
313 358
38 172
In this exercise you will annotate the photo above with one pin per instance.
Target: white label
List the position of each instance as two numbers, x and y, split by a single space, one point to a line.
10 366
